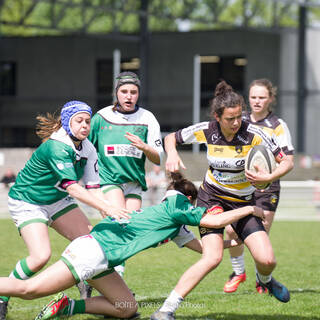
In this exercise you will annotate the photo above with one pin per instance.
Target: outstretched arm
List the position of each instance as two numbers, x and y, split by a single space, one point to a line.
196 244
95 201
174 161
222 219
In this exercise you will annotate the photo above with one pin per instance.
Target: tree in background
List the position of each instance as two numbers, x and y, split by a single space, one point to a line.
53 17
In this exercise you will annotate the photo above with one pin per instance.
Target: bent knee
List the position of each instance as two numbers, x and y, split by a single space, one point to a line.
127 309
211 262
269 262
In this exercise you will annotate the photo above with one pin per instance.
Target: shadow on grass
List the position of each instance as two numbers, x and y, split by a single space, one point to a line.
234 316
229 316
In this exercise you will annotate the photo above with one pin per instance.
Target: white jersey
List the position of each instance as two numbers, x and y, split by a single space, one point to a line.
119 161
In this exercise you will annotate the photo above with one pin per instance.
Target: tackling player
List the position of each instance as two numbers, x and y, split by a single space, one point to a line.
44 191
93 257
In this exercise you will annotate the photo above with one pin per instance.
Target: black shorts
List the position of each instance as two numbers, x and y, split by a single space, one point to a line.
242 227
267 200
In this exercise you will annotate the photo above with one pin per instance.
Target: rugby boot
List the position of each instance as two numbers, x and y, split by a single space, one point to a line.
160 315
277 289
60 305
234 282
260 289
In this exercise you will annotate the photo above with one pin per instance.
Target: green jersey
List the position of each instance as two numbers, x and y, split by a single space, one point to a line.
119 161
147 228
53 163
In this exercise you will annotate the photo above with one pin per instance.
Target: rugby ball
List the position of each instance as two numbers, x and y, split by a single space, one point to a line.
262 157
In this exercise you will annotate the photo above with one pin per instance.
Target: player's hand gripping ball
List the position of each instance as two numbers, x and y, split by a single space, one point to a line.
263 158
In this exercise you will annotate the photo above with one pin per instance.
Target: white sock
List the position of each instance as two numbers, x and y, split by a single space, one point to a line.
172 302
238 264
262 278
257 278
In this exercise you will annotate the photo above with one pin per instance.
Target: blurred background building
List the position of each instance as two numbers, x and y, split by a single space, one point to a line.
52 51
57 50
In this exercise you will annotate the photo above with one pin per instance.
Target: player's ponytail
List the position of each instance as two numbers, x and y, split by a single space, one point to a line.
185 186
225 97
47 124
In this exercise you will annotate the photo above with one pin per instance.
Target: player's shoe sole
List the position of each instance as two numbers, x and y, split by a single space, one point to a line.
277 289
260 289
234 282
159 315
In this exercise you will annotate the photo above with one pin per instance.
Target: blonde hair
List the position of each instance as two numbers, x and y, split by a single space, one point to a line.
47 124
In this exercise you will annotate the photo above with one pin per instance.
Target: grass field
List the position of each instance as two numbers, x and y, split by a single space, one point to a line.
153 273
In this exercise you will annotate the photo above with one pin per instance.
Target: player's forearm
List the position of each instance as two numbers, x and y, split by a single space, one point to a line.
78 192
170 143
221 220
283 168
152 154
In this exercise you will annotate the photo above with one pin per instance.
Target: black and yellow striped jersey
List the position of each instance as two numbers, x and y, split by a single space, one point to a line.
226 173
280 130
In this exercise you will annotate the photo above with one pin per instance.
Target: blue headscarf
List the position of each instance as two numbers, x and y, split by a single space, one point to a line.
69 110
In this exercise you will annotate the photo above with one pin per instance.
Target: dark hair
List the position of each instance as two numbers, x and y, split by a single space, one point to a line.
47 124
225 97
268 85
185 186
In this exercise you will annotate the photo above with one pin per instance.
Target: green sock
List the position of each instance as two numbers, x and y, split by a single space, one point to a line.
5 299
22 272
79 307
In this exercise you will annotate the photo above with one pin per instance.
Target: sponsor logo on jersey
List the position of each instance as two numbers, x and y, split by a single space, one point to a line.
217 149
245 141
110 150
214 138
158 143
138 131
238 149
122 150
60 166
268 140
273 199
230 164
69 165
194 128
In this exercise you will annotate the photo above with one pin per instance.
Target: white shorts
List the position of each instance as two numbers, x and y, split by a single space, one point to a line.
85 258
184 236
24 213
130 189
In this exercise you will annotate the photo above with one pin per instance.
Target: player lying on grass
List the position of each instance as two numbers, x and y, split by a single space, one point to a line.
46 189
92 257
